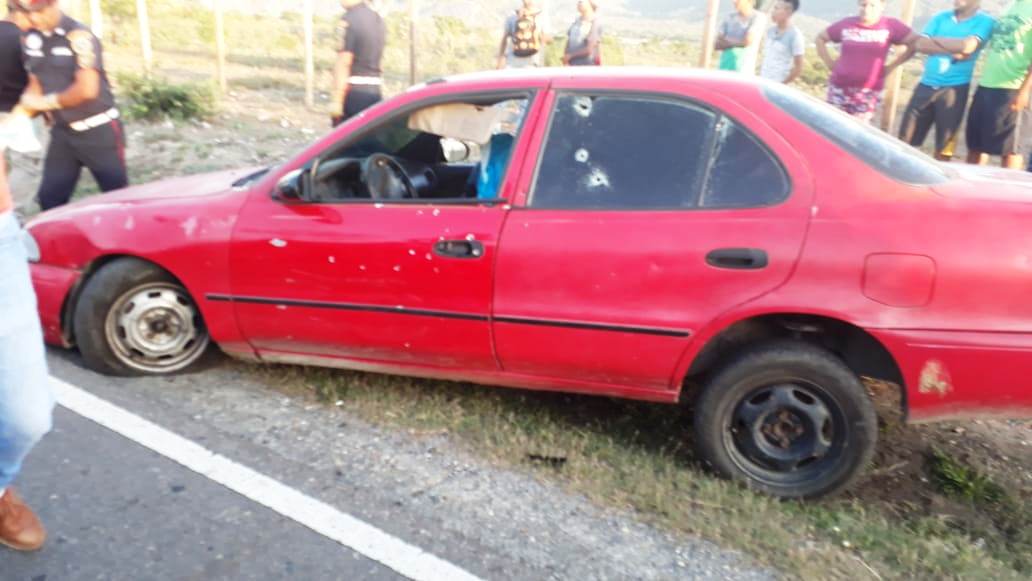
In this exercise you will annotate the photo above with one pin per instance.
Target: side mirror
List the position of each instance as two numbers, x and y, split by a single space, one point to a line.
291 188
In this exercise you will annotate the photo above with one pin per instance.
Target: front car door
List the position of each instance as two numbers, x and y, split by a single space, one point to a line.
379 279
648 215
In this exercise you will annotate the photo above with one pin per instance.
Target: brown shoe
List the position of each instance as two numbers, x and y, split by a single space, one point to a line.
20 528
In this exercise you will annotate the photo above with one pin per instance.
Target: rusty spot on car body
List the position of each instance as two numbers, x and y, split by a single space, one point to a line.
935 379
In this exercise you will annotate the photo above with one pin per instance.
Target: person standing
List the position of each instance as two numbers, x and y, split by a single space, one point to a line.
584 40
26 402
67 82
524 38
953 39
1001 100
786 45
358 73
858 75
740 36
13 77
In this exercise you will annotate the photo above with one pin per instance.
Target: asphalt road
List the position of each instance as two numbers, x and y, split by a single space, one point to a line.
116 510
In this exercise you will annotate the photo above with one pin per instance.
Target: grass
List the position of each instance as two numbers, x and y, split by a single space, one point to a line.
960 480
638 456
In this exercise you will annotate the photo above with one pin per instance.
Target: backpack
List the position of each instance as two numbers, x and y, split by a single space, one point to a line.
525 35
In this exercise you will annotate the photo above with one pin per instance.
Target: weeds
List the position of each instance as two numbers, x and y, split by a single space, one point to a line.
959 480
153 99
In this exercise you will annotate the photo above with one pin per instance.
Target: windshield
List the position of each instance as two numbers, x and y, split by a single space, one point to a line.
884 153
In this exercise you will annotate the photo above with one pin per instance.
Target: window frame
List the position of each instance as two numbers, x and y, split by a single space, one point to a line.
531 95
710 147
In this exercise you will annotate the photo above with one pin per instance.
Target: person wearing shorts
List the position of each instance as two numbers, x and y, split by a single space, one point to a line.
953 39
999 108
858 75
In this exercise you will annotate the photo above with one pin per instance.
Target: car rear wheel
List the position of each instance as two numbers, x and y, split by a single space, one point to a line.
788 419
133 318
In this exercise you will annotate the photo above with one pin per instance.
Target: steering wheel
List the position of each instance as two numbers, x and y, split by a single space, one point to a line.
386 178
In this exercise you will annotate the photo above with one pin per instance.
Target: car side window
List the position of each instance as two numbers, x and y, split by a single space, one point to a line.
448 152
623 152
743 173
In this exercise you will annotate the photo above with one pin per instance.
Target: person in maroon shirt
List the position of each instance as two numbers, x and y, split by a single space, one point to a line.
858 75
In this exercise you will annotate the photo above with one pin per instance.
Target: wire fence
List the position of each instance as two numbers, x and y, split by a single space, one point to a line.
426 36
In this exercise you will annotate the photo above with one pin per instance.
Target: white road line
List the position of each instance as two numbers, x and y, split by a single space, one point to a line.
406 559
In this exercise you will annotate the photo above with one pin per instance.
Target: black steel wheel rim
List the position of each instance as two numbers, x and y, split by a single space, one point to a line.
786 433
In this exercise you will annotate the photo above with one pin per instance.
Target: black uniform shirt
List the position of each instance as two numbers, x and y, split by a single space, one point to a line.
55 58
13 77
363 34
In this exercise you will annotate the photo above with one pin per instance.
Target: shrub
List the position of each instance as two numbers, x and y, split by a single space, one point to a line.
151 98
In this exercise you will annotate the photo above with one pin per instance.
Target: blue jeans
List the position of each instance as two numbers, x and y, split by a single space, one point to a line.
26 399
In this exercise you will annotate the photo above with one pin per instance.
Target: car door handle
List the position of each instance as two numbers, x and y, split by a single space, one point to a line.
738 258
459 249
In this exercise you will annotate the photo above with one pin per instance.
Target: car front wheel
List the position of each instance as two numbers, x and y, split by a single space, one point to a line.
788 419
133 318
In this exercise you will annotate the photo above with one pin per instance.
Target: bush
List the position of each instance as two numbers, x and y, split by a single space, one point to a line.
152 99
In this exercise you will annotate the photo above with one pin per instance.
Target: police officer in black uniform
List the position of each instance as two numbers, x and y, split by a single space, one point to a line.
358 74
67 82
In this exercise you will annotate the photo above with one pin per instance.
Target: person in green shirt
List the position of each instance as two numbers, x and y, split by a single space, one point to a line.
740 37
1000 104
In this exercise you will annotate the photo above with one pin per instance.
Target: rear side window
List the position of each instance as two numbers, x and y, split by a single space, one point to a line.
608 152
641 153
744 174
887 155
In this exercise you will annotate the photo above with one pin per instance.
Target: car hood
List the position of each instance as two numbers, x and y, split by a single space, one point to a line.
173 190
194 186
987 183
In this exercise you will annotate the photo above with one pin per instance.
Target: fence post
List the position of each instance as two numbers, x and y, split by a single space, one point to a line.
709 33
413 69
895 79
220 46
145 38
308 18
96 19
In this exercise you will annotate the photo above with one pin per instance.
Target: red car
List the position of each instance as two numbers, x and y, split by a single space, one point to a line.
659 235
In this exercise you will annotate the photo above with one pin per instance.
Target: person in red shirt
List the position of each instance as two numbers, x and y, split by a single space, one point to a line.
858 74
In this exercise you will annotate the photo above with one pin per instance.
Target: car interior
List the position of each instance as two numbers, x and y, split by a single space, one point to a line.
451 151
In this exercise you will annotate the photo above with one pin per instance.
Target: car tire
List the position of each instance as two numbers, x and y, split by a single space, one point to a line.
133 318
788 419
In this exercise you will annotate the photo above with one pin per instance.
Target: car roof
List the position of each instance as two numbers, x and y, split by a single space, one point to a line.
711 78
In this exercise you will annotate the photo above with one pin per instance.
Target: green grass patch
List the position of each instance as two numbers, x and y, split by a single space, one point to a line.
960 480
148 98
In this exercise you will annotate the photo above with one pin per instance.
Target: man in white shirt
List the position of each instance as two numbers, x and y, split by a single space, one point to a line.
786 45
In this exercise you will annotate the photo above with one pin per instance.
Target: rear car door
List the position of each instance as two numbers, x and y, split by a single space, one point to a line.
649 214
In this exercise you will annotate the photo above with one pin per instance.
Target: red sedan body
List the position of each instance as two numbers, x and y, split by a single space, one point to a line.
926 285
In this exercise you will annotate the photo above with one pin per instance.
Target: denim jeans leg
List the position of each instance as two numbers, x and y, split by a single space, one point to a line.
26 398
